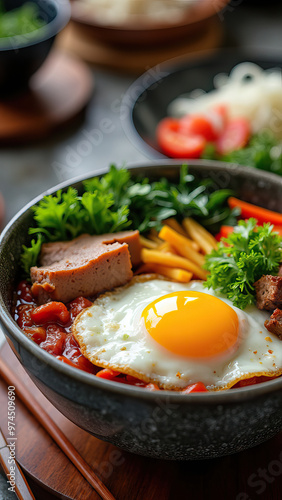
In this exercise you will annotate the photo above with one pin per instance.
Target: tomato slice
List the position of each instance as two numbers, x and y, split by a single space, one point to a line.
176 144
198 125
235 136
198 387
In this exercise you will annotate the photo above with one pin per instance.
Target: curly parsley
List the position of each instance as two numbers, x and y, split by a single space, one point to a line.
241 259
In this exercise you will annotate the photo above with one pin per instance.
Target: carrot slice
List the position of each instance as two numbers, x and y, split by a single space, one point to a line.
261 214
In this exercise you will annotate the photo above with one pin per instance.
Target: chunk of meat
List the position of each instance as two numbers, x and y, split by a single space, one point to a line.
53 252
84 267
269 292
274 324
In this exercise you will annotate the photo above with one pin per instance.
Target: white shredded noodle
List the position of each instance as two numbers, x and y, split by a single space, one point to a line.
249 91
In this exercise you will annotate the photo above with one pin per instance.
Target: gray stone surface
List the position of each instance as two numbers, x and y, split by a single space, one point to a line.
26 172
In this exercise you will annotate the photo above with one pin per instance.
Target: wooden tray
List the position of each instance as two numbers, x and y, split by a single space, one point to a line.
58 93
130 477
136 60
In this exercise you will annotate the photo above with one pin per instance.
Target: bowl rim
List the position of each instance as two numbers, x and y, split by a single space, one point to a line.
154 76
217 397
44 33
201 14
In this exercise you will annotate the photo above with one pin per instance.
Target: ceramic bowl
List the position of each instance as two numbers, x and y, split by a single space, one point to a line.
22 56
161 424
146 101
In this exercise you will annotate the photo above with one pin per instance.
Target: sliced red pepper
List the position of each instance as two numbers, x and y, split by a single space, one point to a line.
198 387
107 374
224 232
277 229
260 214
51 312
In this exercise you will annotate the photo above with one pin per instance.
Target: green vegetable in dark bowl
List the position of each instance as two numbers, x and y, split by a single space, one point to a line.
27 31
20 21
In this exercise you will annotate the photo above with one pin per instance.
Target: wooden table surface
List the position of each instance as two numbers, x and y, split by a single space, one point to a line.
252 474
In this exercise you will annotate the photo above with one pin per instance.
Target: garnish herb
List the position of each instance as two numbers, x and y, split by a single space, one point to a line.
264 151
241 259
117 201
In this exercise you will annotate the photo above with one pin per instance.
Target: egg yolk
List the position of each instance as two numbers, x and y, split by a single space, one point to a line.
192 324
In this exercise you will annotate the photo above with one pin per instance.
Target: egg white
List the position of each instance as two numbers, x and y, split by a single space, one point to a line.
112 334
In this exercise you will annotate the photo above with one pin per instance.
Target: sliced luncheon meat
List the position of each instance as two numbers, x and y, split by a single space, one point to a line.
53 252
84 266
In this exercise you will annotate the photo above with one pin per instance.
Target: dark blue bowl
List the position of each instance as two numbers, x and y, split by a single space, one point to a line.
161 424
21 56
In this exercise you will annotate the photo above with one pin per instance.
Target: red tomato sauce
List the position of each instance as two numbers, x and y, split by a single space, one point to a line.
49 325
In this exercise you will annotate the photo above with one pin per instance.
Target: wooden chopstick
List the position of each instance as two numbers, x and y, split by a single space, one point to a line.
21 487
54 431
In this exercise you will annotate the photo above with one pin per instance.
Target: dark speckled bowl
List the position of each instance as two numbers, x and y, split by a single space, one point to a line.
22 56
162 424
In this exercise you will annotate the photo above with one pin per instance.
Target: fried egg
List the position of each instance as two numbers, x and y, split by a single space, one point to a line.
176 334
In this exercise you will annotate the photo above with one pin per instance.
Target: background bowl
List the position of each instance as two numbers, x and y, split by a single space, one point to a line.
146 101
144 32
22 56
159 424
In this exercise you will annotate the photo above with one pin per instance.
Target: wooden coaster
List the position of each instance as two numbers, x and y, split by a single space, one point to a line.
127 476
57 94
136 60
